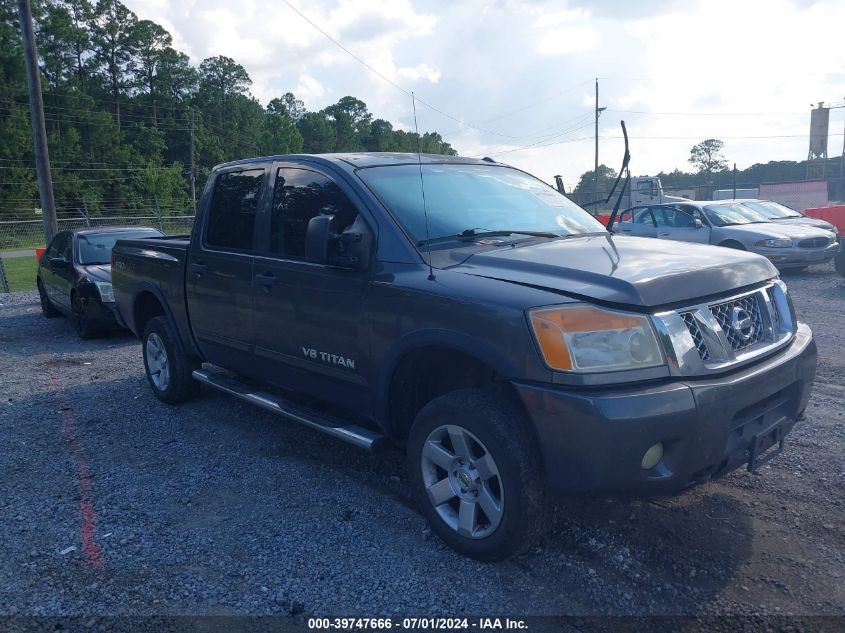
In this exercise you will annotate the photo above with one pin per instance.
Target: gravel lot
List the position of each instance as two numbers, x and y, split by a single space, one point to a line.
114 503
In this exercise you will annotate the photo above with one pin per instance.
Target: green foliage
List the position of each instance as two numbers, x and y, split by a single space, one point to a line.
707 156
587 182
119 101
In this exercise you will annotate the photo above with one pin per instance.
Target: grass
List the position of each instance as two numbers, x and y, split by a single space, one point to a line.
20 271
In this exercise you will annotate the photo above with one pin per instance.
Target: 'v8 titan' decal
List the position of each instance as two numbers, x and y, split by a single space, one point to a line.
329 359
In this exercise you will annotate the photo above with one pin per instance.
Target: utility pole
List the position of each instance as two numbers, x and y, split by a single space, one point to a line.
596 169
39 131
193 169
734 181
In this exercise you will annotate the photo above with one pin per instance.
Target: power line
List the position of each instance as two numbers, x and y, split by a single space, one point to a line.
390 81
708 113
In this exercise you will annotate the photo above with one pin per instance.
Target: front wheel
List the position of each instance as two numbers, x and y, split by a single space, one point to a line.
168 368
47 308
839 261
476 473
81 323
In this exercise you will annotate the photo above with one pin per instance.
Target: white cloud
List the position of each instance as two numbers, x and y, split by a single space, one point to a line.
309 89
505 67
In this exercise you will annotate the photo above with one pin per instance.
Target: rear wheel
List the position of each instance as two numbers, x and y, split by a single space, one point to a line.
167 366
476 473
47 308
81 323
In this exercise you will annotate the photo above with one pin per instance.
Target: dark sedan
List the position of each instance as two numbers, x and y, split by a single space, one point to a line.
74 276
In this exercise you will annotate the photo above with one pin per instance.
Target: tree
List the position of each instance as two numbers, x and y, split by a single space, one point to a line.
707 156
587 183
351 121
222 78
113 36
318 134
289 105
152 41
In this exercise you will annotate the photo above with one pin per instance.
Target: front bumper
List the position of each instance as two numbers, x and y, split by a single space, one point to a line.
794 256
99 312
593 440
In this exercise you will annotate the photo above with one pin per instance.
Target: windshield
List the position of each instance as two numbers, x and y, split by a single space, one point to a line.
727 214
481 198
95 248
772 209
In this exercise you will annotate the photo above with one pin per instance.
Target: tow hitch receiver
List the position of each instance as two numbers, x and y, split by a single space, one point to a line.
765 446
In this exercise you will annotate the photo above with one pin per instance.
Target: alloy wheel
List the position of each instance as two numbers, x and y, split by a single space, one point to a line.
157 362
462 481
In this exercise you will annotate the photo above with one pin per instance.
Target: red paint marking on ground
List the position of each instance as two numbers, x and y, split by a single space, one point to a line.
90 547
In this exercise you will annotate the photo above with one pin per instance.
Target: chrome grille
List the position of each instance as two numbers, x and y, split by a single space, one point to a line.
697 336
741 321
814 242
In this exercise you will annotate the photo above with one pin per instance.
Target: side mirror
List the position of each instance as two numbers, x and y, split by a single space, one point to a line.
58 261
698 223
353 247
317 239
350 249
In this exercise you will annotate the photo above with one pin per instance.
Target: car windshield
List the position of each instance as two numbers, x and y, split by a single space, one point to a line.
470 200
772 209
95 248
728 214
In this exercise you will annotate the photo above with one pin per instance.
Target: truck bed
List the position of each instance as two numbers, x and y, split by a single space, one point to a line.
154 265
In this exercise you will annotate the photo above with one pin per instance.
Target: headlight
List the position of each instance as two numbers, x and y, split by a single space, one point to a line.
583 339
106 291
781 242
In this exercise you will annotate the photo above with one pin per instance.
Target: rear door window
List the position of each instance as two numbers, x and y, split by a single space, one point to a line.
234 204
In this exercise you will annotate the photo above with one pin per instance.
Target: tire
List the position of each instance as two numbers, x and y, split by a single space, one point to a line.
47 308
731 244
473 451
81 323
167 366
839 261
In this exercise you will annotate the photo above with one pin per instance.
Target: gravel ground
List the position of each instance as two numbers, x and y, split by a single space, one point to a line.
113 503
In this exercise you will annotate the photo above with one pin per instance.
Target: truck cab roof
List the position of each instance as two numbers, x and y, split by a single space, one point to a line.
361 159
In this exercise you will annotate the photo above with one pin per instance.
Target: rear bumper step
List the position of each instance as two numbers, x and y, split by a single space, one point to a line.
351 433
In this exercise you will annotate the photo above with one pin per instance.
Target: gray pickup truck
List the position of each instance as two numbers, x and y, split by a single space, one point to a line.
473 316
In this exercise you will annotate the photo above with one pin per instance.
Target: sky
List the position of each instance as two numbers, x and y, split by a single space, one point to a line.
515 79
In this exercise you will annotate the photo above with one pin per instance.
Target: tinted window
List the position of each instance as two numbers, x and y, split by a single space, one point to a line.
300 195
96 248
60 246
231 218
664 216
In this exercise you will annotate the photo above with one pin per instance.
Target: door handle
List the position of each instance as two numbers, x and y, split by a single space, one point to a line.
198 268
665 235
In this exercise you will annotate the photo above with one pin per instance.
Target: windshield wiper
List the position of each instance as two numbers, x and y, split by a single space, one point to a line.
472 234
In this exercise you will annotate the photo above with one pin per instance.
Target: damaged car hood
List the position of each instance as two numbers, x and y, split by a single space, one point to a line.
622 269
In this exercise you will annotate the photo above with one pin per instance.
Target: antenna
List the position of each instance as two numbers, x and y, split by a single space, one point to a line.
422 188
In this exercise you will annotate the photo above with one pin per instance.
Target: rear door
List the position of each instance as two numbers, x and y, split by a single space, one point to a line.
637 221
219 275
311 323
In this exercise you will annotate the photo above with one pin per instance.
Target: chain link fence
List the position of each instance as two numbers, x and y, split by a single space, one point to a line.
29 234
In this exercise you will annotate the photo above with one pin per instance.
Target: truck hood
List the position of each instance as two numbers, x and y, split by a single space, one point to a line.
622 269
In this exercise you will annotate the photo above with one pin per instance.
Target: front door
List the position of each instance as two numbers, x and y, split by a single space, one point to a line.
219 275
311 325
683 223
58 279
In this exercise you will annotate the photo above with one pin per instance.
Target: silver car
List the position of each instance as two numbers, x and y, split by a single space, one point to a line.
776 212
733 225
